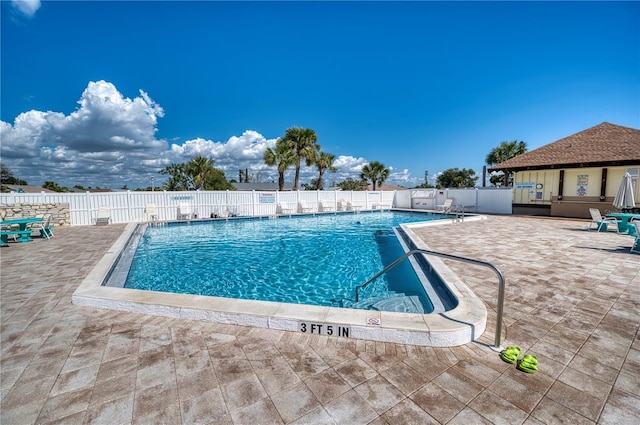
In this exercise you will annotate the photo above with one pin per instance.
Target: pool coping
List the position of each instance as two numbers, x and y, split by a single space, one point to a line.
460 325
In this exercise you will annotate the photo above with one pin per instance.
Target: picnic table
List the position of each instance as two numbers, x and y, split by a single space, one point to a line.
22 231
624 222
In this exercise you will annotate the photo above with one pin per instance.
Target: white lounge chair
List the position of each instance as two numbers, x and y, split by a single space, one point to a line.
303 207
283 208
44 226
446 207
104 216
323 207
636 244
342 205
600 221
353 207
184 211
151 212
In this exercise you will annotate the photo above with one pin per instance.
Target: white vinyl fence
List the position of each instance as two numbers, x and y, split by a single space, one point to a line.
127 207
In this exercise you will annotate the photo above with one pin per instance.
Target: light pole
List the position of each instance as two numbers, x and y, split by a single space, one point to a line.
152 184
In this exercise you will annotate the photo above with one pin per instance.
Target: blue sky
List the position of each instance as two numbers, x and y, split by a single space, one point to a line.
104 94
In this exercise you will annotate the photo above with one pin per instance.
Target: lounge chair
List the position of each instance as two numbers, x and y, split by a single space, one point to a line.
184 211
446 207
636 244
233 211
44 226
151 212
303 207
322 207
283 208
379 206
600 221
353 207
342 205
104 216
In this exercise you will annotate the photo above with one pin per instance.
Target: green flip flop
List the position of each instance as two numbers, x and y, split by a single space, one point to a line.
529 364
510 354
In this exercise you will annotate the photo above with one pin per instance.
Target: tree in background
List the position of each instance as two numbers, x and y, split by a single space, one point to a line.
199 168
55 187
323 162
304 143
376 172
7 177
454 177
178 177
217 181
312 185
198 173
506 150
282 157
351 184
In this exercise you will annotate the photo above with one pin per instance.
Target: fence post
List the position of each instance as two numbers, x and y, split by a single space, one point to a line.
88 207
130 218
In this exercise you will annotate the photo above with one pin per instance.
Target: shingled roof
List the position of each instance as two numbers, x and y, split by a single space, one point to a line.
603 145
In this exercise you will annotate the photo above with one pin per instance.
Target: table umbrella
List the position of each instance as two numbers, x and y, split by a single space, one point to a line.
624 197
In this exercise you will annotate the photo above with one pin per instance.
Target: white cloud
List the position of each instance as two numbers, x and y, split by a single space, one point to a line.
110 141
26 7
106 135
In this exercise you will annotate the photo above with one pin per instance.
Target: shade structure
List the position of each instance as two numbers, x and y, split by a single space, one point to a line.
624 197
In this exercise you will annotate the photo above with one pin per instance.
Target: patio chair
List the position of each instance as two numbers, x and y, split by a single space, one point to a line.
104 216
636 243
446 206
184 211
233 210
151 212
600 221
323 207
44 226
353 207
342 205
303 207
283 208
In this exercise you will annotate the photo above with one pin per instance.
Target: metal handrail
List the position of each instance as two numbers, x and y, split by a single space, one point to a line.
501 282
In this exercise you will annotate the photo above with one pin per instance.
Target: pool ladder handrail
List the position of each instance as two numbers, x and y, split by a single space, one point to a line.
458 211
501 283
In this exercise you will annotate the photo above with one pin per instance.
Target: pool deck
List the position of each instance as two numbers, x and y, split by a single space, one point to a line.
572 299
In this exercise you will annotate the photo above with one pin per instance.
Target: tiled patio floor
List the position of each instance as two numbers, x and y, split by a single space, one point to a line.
572 299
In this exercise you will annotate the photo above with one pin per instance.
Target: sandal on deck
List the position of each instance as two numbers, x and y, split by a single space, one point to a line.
529 364
510 354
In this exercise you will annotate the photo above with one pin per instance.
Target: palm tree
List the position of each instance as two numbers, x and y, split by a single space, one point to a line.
199 168
323 162
505 151
178 178
376 172
304 143
282 157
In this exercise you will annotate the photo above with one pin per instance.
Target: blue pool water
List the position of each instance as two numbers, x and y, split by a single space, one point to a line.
314 259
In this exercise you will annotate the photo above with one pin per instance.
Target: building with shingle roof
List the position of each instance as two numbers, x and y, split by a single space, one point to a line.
569 176
24 188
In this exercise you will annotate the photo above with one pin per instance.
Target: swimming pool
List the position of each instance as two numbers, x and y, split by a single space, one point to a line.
312 259
461 324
